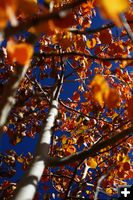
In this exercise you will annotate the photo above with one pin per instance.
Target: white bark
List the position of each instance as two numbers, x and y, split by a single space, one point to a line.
8 98
28 185
86 168
98 186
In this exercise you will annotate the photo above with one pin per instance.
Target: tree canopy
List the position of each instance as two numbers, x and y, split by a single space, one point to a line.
66 82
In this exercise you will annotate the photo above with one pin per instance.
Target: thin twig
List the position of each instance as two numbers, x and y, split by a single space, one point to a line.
126 26
72 179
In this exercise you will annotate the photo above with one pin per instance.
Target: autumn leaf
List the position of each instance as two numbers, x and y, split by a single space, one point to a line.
70 149
113 98
91 43
20 159
18 140
76 96
109 191
105 36
130 108
112 9
65 22
92 163
27 7
64 139
126 166
107 64
21 52
100 89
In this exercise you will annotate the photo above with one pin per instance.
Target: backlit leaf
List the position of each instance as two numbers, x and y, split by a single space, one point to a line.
109 191
20 159
100 89
20 53
91 43
112 9
92 163
70 149
112 99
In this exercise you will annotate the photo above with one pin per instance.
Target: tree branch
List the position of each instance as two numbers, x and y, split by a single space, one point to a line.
72 179
26 24
93 151
126 26
99 29
75 53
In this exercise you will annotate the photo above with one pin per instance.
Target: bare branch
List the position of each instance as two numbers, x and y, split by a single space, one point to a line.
100 181
126 26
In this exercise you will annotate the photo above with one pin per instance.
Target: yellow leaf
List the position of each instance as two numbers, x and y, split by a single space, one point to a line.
92 163
111 9
18 139
100 89
126 159
91 43
109 191
20 159
123 158
88 192
70 149
64 139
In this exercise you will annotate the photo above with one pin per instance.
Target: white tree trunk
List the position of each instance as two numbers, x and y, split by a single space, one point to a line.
8 97
28 185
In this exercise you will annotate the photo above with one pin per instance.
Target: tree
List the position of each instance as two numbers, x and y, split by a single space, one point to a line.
70 83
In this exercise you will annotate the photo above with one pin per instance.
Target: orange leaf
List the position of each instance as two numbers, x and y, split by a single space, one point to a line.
112 9
100 89
92 163
64 139
105 36
20 53
76 96
70 149
112 99
109 191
